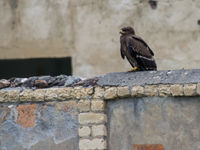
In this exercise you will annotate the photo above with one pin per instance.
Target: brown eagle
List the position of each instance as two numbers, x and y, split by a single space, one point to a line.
136 50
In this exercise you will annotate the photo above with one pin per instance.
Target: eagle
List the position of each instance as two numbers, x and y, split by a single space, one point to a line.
136 50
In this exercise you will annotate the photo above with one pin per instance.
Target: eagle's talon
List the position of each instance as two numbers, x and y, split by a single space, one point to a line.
134 69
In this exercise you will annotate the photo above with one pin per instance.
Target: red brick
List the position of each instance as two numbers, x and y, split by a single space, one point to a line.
148 147
26 115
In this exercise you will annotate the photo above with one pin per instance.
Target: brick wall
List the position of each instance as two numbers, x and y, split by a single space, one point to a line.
87 103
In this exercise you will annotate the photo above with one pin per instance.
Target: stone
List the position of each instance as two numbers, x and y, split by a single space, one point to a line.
38 95
26 115
84 105
189 89
32 95
151 90
26 95
87 82
123 92
63 93
4 83
84 131
86 92
99 130
99 92
71 80
198 88
4 113
9 95
94 144
51 94
98 105
90 117
110 93
137 91
40 83
26 82
164 90
177 90
76 92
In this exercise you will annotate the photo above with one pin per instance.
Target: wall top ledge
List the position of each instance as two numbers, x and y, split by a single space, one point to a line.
111 86
111 79
150 77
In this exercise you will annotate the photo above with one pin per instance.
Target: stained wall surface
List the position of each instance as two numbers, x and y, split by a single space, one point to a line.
39 126
88 31
172 122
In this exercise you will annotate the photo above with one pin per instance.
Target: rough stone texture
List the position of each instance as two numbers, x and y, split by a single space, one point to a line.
38 95
84 131
98 105
164 90
4 113
172 122
150 77
151 90
86 118
189 89
77 92
137 91
110 93
198 88
99 130
80 92
25 95
11 95
63 93
99 92
19 21
55 126
84 105
177 90
94 144
42 81
26 115
123 91
58 93
4 83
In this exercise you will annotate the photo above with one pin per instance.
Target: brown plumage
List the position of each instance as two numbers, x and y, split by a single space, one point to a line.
136 50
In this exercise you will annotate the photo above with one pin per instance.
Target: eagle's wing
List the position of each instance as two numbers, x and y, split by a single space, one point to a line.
141 40
138 49
121 50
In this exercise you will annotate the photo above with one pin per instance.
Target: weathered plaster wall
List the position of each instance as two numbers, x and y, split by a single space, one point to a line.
172 122
39 126
89 31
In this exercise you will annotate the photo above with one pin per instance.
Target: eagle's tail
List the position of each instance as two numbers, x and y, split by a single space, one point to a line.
146 63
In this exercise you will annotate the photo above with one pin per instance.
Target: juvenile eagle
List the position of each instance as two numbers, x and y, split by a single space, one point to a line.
136 50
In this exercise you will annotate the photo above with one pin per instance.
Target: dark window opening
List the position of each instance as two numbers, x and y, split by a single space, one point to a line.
35 67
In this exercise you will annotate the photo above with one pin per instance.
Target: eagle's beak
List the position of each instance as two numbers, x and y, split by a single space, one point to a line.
122 32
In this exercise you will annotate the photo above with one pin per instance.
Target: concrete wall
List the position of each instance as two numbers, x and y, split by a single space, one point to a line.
88 31
172 122
39 126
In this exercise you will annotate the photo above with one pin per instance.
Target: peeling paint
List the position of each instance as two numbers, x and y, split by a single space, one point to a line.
26 115
52 127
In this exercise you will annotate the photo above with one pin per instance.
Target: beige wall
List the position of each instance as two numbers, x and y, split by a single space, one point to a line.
88 30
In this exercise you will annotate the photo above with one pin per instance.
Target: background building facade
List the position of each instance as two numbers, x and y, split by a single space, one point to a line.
88 32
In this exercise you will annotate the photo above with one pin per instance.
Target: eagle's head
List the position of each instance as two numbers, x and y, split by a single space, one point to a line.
127 30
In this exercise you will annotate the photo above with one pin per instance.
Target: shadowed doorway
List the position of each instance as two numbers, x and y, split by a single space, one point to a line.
35 67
